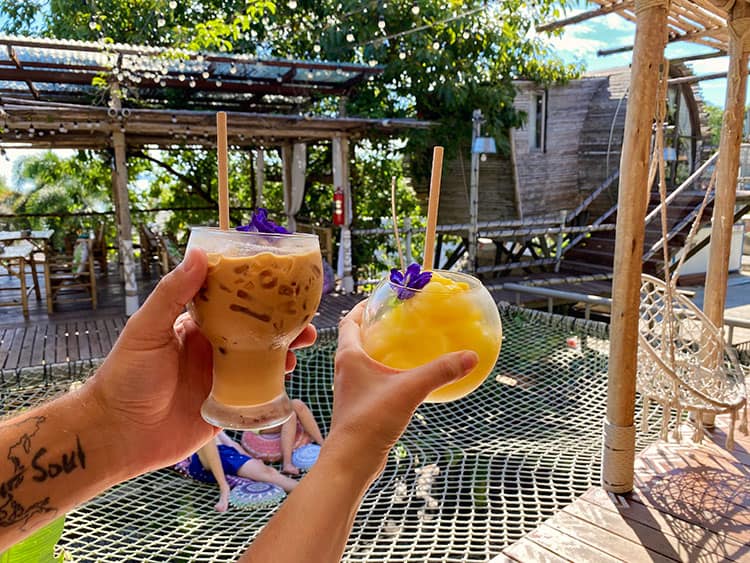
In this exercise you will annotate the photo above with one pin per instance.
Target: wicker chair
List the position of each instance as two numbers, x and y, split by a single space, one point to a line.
684 362
71 278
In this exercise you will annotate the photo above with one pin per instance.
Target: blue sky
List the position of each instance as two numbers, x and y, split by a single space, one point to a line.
581 41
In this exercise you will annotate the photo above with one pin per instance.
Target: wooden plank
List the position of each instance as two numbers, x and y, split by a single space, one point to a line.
716 479
37 353
526 550
103 332
666 544
95 347
608 542
11 361
717 542
61 344
83 340
705 516
566 546
72 339
24 359
6 341
49 344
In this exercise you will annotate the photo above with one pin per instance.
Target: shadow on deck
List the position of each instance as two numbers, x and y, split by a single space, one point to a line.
690 503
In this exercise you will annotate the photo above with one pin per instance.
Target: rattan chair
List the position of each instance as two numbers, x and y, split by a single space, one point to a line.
684 362
71 278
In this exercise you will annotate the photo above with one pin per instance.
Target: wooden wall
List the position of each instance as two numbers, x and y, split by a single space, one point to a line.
584 130
548 181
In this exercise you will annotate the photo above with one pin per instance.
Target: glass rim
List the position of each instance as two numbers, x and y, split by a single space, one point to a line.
473 281
233 232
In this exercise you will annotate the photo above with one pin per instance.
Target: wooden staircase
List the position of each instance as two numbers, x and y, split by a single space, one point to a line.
594 253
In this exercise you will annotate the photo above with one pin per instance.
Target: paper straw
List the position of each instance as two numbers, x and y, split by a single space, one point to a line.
432 207
223 164
395 223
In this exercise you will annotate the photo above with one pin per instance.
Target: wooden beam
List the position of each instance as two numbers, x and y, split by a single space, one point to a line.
607 9
699 78
689 36
17 63
701 57
619 431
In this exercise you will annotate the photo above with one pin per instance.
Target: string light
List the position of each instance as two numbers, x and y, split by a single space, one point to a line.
172 4
161 21
415 8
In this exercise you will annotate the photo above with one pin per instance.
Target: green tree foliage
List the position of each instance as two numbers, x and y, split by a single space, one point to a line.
715 114
441 60
55 187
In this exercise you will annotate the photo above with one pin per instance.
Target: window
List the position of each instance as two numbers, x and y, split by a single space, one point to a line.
538 121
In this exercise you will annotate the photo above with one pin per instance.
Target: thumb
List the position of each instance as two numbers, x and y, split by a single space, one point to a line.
157 315
445 369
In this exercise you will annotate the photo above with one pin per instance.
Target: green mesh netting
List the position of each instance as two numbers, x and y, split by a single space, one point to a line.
467 479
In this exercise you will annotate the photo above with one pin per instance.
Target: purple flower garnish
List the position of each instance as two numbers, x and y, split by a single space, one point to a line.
413 278
260 223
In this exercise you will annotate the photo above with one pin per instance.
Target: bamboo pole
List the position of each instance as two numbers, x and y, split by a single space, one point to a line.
122 211
728 164
619 431
717 275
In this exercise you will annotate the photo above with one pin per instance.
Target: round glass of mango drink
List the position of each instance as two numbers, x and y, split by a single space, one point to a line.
404 328
260 292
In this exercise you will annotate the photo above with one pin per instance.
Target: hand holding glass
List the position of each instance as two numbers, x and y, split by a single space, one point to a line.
404 328
261 290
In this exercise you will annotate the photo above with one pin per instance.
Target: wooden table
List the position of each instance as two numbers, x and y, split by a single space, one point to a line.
19 250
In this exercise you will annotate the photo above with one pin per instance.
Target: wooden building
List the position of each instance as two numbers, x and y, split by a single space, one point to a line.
570 144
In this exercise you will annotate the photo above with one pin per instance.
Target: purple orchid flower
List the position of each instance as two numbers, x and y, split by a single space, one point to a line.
404 283
260 223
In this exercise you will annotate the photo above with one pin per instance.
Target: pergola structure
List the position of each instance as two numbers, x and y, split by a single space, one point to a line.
73 94
724 26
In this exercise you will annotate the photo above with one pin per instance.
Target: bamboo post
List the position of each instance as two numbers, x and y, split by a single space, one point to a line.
122 209
619 431
738 26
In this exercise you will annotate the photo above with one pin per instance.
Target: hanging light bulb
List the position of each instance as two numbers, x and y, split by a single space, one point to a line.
233 69
191 83
205 74
218 83
316 47
465 35
160 21
435 45
401 55
350 37
92 23
172 4
415 8
381 23
292 4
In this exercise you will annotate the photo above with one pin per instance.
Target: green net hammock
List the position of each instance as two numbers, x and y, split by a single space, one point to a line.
466 480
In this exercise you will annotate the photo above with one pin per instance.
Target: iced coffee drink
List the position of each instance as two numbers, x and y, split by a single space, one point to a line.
261 290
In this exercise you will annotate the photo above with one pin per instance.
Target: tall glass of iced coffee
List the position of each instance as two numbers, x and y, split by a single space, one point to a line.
261 290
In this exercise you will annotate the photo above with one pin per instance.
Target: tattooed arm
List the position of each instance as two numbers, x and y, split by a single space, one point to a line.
139 412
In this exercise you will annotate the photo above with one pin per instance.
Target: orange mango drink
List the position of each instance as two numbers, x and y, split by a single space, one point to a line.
261 290
452 312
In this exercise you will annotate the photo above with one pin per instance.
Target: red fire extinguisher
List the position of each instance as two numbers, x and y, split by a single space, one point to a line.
338 207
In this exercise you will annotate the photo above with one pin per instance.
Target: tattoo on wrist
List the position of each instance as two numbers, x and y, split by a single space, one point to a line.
28 459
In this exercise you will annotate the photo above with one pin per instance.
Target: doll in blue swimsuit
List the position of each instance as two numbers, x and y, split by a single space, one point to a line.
222 456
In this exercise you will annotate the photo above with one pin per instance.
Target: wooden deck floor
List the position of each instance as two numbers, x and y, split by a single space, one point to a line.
75 333
690 503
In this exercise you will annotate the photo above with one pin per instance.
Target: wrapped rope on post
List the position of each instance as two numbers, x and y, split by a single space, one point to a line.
618 442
